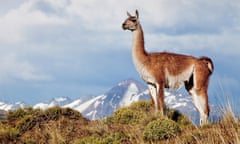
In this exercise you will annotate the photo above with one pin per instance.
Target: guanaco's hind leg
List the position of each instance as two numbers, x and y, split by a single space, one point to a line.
201 102
198 89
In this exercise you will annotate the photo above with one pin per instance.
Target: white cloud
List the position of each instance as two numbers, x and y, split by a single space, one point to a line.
16 21
11 68
178 17
199 13
224 43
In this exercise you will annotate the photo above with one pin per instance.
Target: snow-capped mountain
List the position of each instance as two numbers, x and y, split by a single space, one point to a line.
8 106
58 101
123 94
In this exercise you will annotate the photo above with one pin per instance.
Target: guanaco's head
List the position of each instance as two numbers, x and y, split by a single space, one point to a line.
131 23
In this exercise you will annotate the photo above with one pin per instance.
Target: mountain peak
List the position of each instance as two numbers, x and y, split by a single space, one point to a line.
127 82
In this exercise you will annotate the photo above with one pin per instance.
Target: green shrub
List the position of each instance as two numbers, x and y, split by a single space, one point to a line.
8 134
136 113
25 124
160 129
73 114
25 119
127 116
145 106
55 113
87 140
17 114
109 119
142 112
115 138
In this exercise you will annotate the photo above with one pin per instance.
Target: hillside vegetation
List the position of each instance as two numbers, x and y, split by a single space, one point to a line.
137 123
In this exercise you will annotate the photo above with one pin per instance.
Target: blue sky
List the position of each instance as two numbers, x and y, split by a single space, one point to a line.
77 48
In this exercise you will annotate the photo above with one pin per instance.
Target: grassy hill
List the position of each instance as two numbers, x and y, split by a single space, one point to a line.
137 123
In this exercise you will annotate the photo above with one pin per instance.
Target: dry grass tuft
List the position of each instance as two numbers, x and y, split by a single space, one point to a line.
137 123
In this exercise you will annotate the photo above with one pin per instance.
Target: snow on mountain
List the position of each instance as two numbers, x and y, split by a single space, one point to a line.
74 104
90 103
130 95
7 106
41 106
178 101
123 94
58 101
90 108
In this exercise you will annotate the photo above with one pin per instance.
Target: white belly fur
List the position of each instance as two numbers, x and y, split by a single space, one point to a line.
176 82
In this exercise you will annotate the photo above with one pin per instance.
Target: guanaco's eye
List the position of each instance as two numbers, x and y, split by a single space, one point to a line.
134 20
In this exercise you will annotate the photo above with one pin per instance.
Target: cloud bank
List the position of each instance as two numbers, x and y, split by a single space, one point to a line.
76 47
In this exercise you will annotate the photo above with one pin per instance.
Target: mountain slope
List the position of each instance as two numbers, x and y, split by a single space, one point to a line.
123 94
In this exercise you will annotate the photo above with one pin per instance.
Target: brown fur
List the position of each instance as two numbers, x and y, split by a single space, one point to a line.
170 70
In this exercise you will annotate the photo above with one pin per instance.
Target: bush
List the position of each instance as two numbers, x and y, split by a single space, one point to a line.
160 129
25 119
145 106
55 113
127 116
13 116
136 113
25 124
115 138
16 114
142 112
8 134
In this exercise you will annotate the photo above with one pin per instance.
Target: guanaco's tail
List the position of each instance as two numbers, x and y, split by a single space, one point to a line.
208 62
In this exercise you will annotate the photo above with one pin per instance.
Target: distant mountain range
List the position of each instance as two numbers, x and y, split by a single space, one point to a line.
123 94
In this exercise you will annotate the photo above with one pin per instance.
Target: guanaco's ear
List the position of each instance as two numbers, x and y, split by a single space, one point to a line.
128 14
137 15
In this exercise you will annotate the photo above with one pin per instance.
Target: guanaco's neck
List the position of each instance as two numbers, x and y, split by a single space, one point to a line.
138 50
